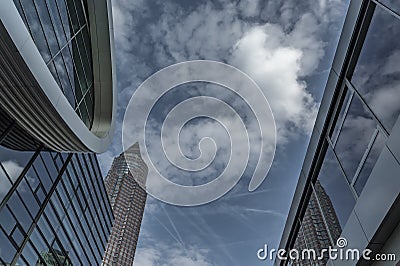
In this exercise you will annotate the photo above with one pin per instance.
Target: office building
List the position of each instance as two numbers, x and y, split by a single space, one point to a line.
349 184
314 233
57 102
125 183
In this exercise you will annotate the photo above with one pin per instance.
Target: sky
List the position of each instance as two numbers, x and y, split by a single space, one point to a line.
287 48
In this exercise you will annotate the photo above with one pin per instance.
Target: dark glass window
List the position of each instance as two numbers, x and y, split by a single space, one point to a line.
334 195
39 243
20 212
57 21
28 198
355 135
12 163
369 163
7 250
70 230
47 27
60 31
35 28
5 182
74 22
7 221
83 51
39 173
84 113
341 116
30 254
377 73
64 80
18 235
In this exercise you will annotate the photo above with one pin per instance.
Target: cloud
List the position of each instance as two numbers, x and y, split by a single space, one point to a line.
13 170
171 255
277 44
277 61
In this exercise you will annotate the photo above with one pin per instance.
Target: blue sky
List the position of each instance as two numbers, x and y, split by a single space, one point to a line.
287 48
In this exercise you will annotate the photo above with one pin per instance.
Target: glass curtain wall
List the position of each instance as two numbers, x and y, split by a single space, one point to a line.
53 207
366 111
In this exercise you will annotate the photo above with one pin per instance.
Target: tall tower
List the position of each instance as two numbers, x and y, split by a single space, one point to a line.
319 224
124 185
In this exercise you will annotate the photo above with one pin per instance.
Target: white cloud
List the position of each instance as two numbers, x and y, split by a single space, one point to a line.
13 170
279 57
276 63
164 255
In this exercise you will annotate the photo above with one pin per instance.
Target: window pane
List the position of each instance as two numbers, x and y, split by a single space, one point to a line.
39 172
29 254
377 73
14 161
89 107
27 196
64 17
5 183
88 45
20 212
370 163
80 12
56 19
72 15
356 134
340 118
6 220
334 195
18 235
38 242
64 79
85 114
7 251
36 29
47 26
81 79
69 66
392 4
84 56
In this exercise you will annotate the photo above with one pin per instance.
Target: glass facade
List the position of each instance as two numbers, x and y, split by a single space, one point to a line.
364 114
61 32
53 207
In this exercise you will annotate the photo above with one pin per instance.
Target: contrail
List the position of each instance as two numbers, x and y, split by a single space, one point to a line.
174 227
266 212
166 229
246 194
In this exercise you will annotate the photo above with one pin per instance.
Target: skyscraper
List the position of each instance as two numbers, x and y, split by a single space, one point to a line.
57 104
125 183
315 232
352 168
